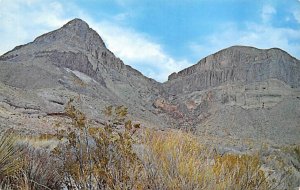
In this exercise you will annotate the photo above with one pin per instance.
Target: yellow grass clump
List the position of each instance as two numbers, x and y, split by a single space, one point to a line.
176 160
10 161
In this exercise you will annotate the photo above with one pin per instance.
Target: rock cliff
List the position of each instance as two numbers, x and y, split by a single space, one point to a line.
237 64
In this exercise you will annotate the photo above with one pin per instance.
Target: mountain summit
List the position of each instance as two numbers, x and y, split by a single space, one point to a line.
238 64
75 36
238 93
75 33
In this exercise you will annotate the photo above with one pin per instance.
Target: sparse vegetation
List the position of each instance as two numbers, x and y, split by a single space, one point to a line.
175 160
9 152
114 156
10 161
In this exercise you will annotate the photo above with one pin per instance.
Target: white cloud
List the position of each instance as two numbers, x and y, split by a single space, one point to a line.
23 20
267 12
262 35
139 50
257 35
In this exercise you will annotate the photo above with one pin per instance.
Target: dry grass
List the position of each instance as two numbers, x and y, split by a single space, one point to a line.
10 153
175 160
43 141
108 157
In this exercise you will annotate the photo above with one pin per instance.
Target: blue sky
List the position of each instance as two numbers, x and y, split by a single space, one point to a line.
159 37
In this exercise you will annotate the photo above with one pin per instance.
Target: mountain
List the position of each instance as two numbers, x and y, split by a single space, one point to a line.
37 79
240 93
236 95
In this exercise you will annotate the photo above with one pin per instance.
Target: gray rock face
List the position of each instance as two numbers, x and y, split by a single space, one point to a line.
243 91
236 93
75 35
73 61
237 64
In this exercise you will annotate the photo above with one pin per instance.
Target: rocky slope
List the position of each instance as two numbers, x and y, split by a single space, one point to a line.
244 65
240 93
38 78
237 93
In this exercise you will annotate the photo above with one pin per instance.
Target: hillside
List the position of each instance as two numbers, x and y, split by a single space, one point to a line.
238 100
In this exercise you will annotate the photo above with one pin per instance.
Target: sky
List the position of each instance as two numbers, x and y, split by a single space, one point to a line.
159 37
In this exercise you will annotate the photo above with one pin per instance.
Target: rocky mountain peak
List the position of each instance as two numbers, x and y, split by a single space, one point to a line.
75 33
75 36
76 24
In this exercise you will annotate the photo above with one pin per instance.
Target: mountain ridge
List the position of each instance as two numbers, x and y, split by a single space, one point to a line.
239 100
73 61
80 28
172 75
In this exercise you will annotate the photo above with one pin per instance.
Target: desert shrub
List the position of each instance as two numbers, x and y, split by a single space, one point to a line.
99 157
176 160
10 157
239 172
41 170
26 167
23 167
111 157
